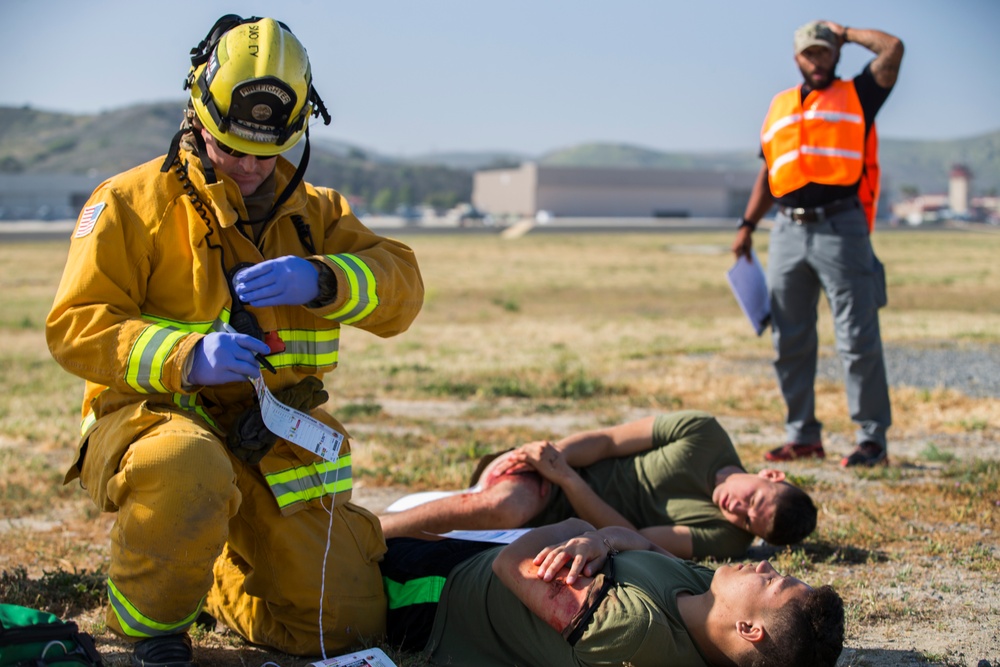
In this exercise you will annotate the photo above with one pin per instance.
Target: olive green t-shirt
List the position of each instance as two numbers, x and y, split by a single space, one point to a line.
671 484
481 623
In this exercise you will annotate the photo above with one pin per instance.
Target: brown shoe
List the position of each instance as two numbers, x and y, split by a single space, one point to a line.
797 450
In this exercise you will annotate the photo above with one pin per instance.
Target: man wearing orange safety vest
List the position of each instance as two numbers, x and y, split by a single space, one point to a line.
821 169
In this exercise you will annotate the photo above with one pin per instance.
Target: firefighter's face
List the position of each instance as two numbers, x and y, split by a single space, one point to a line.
249 171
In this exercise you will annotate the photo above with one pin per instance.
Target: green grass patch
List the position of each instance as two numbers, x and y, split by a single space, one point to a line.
932 453
57 592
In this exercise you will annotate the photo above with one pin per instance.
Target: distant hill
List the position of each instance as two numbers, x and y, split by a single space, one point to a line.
925 164
921 164
41 142
472 160
625 155
33 141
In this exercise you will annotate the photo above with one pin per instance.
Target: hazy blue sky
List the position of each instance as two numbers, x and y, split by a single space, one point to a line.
414 76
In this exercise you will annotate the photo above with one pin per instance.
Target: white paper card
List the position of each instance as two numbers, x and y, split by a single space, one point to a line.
295 426
371 657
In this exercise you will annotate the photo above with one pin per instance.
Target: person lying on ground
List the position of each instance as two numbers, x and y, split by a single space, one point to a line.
569 594
675 478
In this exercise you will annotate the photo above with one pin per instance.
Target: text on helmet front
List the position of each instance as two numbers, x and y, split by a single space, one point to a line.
254 37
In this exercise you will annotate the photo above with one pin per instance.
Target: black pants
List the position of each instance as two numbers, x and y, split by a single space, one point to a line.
414 573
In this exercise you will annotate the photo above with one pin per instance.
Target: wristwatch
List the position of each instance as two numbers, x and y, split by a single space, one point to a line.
746 223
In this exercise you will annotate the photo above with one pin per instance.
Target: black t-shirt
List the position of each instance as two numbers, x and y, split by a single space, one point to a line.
872 97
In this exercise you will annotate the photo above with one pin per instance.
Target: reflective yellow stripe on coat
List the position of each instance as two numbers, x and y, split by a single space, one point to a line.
144 370
304 483
363 296
317 349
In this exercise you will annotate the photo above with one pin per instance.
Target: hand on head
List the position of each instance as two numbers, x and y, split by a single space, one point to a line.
544 459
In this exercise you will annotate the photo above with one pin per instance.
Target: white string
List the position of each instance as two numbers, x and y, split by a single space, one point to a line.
326 552
279 429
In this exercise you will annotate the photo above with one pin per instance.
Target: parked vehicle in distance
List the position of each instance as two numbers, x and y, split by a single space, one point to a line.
411 215
467 215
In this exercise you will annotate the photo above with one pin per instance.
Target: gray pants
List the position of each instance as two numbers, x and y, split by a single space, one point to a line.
835 255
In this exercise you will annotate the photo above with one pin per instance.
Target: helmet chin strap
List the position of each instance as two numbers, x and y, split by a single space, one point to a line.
209 168
293 183
206 162
199 142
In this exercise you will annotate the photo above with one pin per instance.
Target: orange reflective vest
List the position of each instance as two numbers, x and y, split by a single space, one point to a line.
821 139
869 188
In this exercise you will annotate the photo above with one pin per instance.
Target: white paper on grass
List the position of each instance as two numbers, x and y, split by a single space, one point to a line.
412 500
749 285
497 536
371 657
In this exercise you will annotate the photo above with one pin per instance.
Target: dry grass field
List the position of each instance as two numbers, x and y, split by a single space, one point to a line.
532 337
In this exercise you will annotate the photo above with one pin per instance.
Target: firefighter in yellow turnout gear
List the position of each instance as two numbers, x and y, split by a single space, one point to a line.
183 274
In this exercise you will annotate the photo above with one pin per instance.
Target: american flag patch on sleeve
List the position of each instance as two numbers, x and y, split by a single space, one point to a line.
88 218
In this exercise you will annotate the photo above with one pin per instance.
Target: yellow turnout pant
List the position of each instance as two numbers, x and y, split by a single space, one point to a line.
196 527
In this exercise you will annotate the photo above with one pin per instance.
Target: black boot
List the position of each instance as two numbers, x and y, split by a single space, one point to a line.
164 651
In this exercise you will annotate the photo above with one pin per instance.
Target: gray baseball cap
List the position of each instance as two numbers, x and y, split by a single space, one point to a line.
815 33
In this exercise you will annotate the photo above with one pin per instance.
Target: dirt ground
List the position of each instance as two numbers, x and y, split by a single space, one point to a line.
954 615
948 616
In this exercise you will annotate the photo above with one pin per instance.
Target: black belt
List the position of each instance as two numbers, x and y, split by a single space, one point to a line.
820 213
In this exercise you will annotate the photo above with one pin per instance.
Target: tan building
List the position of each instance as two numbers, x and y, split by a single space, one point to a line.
603 192
958 189
957 204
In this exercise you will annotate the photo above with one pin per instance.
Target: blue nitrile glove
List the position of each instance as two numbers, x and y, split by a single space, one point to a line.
286 281
225 357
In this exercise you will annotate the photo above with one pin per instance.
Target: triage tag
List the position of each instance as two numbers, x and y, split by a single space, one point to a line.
297 427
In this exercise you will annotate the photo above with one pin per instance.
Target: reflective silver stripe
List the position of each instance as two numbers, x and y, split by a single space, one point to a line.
312 486
833 116
782 160
778 125
219 325
790 156
813 114
315 348
362 297
144 370
192 403
305 483
87 422
198 327
831 152
135 624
